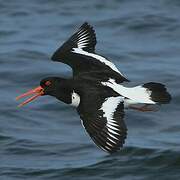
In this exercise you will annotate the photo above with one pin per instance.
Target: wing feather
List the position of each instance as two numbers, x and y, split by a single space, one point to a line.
79 53
105 125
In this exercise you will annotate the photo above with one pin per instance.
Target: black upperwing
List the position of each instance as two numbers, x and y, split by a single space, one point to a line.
102 117
79 53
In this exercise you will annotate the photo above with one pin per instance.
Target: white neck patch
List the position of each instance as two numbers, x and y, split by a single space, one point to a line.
75 99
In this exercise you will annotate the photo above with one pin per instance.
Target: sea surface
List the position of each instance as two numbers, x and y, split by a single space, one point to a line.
44 140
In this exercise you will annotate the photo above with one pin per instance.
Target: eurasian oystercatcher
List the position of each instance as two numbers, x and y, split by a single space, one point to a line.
96 90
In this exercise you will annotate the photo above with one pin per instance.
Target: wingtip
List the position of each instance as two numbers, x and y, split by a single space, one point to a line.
86 23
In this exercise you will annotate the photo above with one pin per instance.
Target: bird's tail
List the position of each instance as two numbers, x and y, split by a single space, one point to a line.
157 92
148 93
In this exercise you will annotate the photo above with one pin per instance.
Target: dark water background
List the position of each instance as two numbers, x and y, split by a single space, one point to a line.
45 140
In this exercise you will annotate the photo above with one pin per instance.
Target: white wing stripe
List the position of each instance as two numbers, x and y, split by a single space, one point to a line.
109 144
113 121
114 137
111 140
113 124
83 37
82 31
98 57
107 147
109 107
84 41
112 127
113 132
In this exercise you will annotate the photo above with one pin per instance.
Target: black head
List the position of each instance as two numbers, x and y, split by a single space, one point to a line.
58 87
54 86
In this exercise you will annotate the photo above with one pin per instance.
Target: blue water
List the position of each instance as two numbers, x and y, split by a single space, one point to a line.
44 139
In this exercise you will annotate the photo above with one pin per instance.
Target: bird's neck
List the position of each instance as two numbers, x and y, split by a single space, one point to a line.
64 90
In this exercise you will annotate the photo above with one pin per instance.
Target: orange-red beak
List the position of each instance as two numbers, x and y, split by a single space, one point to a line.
39 91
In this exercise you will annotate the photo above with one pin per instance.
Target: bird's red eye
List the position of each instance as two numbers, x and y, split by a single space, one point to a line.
47 83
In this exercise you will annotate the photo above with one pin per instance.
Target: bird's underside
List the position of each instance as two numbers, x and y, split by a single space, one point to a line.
97 90
102 113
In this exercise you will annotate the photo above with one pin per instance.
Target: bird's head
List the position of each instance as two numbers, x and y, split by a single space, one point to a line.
53 86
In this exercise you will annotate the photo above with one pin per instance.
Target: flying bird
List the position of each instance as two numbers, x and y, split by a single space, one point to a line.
96 90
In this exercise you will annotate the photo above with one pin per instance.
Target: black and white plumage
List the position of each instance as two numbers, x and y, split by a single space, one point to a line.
96 90
103 118
79 53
